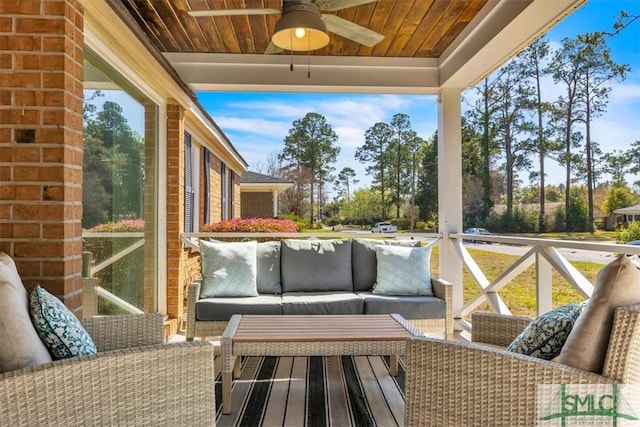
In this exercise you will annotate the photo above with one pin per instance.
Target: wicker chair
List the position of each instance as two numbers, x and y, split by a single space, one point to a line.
134 379
455 383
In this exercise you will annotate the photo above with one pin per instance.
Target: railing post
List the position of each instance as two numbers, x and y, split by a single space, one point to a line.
544 284
450 188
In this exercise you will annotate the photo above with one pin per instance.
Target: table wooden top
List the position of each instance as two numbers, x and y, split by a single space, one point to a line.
317 328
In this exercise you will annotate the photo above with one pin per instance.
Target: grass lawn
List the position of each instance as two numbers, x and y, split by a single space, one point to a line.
520 294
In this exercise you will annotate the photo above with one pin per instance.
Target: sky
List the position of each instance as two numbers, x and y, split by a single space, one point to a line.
257 123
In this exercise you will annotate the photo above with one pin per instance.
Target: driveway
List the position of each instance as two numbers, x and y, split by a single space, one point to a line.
570 254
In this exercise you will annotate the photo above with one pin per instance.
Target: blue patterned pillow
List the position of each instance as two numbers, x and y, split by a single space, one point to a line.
403 271
58 328
545 335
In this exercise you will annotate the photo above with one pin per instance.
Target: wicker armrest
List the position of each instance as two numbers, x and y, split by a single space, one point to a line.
496 329
193 294
444 289
453 383
623 354
123 331
163 384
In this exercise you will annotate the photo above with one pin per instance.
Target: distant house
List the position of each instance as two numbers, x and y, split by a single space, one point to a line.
631 213
259 194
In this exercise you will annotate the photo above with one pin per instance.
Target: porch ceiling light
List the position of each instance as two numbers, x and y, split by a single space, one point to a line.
300 28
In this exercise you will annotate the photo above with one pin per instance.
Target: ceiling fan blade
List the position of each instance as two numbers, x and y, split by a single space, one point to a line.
233 12
334 5
272 49
351 31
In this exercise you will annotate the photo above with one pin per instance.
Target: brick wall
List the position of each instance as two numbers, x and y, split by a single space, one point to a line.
41 89
257 204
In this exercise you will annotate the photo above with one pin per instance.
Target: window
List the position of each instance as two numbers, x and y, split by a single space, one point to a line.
232 181
189 193
120 172
207 186
223 191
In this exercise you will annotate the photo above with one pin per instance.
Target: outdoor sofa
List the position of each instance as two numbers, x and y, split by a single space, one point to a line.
480 383
133 379
311 277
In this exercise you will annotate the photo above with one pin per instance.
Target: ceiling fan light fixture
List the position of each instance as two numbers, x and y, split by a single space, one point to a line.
300 28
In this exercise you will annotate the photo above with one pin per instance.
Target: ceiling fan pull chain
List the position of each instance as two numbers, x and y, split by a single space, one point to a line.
309 57
291 53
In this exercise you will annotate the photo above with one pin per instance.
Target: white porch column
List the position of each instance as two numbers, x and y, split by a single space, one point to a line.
450 188
275 203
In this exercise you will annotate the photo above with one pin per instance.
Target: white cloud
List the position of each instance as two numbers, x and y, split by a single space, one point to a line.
252 125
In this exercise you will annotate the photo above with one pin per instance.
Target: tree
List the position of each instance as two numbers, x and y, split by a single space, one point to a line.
310 146
618 164
598 70
404 143
565 68
618 197
634 156
511 97
375 151
534 57
427 193
481 116
364 202
345 178
113 166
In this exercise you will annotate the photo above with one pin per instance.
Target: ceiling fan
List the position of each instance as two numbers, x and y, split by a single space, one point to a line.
302 26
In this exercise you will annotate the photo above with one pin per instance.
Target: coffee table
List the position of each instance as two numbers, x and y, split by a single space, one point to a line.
310 335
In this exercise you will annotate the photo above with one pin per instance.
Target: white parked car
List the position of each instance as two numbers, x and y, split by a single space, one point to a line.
384 227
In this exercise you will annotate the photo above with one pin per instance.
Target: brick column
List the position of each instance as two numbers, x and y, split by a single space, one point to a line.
41 88
150 223
175 209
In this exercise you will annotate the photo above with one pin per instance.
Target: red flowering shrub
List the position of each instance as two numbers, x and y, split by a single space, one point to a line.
251 225
120 226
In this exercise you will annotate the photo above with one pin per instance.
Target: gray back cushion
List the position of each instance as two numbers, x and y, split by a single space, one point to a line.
268 275
316 265
365 264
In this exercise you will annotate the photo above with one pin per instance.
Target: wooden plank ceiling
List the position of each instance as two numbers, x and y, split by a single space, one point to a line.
412 28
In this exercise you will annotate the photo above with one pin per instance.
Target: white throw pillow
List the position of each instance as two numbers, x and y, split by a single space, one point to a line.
228 269
403 271
20 345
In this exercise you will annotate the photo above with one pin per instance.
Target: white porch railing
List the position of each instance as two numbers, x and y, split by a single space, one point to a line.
92 290
544 253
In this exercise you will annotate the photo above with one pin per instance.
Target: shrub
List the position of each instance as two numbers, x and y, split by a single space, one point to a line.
121 226
421 225
300 222
331 222
251 225
401 223
628 233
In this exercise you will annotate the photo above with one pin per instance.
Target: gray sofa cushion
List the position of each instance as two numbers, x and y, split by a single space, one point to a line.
409 307
322 303
223 308
365 265
268 265
316 265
